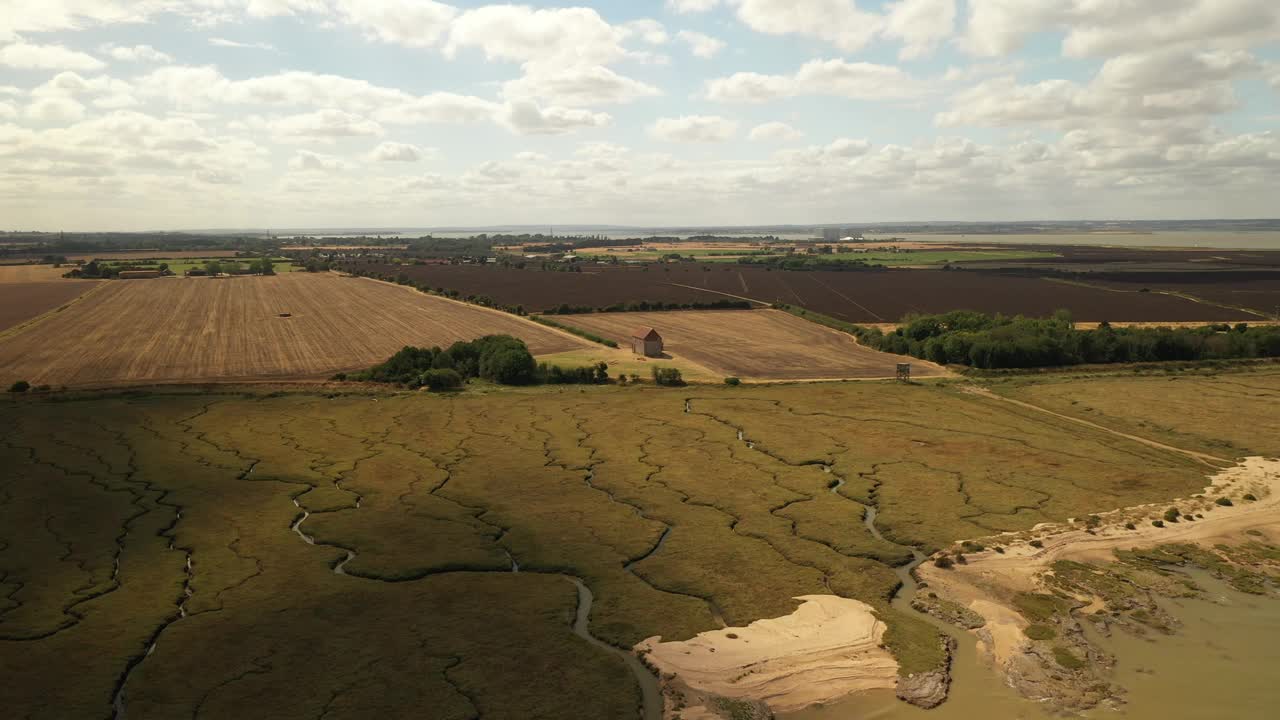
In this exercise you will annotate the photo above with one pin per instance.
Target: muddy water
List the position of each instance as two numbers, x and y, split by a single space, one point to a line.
1222 664
650 694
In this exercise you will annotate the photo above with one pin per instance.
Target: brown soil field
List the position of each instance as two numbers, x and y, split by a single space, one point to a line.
764 344
871 296
180 330
1258 291
22 301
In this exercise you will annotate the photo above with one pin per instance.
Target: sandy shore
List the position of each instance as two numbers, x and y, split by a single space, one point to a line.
989 577
829 647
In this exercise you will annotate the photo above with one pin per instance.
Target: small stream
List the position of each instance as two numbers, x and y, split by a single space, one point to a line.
650 693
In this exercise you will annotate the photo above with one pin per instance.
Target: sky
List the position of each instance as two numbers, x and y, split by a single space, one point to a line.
180 114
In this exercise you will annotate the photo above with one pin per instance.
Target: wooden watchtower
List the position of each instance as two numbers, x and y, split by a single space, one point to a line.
904 372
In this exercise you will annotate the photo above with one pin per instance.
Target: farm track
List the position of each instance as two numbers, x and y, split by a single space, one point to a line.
184 330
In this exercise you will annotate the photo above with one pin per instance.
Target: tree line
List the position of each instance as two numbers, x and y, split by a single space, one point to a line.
500 359
996 341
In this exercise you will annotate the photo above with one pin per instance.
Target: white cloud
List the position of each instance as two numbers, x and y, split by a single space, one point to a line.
527 118
563 36
442 108
397 152
840 78
55 110
225 43
218 177
307 160
838 22
920 24
578 85
414 23
691 6
648 30
28 56
998 27
7 111
703 46
136 53
775 132
694 128
324 125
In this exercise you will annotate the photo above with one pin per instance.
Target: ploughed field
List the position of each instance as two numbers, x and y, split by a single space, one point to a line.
297 556
768 344
176 330
1256 291
28 291
859 296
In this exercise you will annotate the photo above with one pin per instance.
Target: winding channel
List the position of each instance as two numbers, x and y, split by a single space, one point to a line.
650 693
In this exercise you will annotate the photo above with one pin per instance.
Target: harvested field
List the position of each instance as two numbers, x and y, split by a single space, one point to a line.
177 330
870 296
759 344
32 273
294 556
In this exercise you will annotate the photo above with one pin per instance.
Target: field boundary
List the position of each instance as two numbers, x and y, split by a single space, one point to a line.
28 324
416 291
717 292
1168 293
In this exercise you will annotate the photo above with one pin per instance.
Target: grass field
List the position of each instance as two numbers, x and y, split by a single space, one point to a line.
175 330
151 545
759 344
1225 414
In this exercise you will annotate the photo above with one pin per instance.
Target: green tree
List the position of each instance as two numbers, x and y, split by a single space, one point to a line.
20 387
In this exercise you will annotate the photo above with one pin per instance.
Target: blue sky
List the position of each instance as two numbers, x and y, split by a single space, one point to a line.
161 114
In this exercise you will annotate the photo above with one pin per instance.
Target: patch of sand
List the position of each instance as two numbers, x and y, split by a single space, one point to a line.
986 582
829 647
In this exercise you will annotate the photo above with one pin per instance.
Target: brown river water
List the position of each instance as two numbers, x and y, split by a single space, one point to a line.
1224 663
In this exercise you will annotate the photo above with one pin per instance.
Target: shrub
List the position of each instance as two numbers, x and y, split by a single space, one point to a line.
669 377
441 379
732 381
1225 502
972 547
1130 526
999 549
1036 544
1250 497
960 558
944 562
1172 514
1040 632
1066 659
20 387
1157 523
340 377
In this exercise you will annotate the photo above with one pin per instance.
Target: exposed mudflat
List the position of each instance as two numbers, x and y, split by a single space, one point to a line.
828 648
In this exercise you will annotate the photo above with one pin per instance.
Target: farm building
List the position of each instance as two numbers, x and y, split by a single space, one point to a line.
139 274
647 342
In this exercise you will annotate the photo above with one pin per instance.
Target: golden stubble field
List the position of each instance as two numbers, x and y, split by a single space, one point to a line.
764 344
191 329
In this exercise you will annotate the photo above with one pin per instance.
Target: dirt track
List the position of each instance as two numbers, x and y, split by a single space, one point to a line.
767 344
175 330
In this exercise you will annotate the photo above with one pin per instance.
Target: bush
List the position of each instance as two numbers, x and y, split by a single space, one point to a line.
1066 659
669 377
732 381
340 377
20 387
1040 632
441 379
944 562
1157 523
1036 544
1250 497
1130 526
1225 502
1172 514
